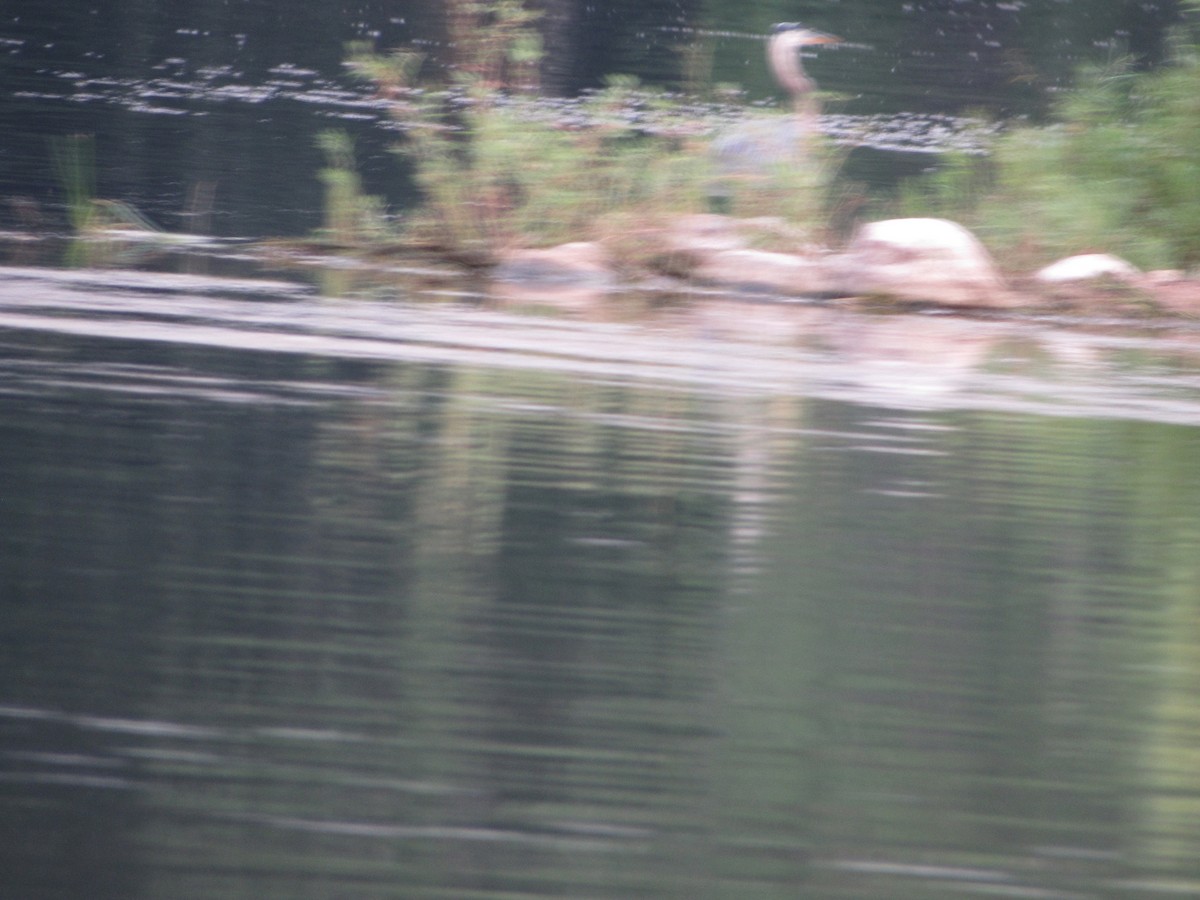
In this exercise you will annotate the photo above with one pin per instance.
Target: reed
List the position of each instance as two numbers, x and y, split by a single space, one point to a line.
74 159
352 217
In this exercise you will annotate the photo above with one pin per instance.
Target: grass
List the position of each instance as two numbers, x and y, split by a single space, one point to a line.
494 173
497 169
351 217
75 166
518 182
1119 173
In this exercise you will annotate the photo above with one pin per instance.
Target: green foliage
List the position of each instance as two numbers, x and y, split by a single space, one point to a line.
495 173
696 65
501 178
498 169
496 42
392 73
351 217
75 165
1120 173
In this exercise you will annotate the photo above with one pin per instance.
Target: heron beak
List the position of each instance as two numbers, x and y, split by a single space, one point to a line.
820 37
801 36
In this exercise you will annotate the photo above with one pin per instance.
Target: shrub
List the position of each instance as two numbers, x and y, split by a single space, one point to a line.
1120 173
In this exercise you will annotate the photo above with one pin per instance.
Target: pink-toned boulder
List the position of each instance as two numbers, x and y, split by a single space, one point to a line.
922 261
720 251
759 270
581 263
1174 292
702 233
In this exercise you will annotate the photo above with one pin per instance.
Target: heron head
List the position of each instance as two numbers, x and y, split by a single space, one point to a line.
797 35
784 60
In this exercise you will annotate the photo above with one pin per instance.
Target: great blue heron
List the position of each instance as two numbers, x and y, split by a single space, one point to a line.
756 148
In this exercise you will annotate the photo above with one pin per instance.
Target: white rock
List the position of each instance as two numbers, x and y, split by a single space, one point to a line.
1087 267
921 260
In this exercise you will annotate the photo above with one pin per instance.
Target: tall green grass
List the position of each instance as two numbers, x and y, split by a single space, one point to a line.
1119 173
351 216
74 159
504 179
495 171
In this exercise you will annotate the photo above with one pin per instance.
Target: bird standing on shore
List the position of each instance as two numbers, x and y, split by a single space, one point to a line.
754 148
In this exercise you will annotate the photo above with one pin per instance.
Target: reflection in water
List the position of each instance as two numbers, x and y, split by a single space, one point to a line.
311 600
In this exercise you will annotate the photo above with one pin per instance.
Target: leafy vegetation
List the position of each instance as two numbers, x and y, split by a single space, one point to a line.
497 169
522 182
1120 173
75 166
351 217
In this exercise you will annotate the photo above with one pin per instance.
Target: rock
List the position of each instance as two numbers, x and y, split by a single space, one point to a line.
718 250
1097 284
1088 267
761 270
561 299
1174 292
710 233
921 260
1159 277
581 264
703 233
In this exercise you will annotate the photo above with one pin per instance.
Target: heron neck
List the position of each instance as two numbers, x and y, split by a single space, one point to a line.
785 64
807 107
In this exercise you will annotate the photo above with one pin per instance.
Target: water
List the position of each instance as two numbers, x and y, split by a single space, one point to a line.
438 592
435 598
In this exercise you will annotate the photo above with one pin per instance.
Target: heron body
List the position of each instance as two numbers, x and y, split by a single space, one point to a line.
758 147
753 146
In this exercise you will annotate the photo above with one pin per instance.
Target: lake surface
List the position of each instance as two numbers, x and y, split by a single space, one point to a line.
435 596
